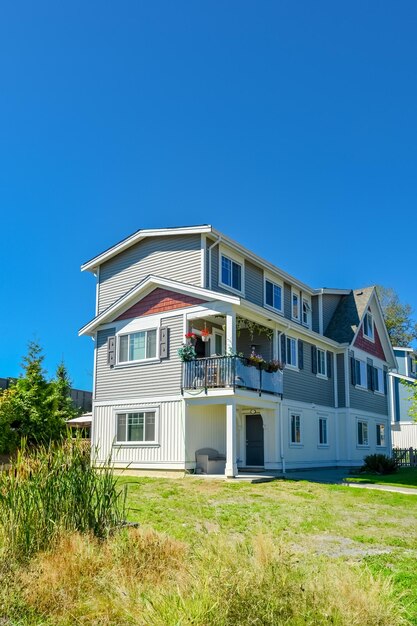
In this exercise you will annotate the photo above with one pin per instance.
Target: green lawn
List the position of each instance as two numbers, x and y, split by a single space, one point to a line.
376 529
404 477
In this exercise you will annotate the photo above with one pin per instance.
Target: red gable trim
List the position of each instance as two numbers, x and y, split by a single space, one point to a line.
375 348
158 301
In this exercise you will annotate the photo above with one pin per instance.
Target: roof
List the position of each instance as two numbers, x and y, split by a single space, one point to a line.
87 418
348 315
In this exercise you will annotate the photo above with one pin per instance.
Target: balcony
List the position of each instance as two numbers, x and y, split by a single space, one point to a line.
229 372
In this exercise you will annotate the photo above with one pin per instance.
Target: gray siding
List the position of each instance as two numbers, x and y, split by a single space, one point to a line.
367 400
341 380
177 257
315 314
254 287
330 303
306 386
134 381
287 301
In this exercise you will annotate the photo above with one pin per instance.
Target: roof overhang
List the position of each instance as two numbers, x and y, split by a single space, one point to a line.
147 285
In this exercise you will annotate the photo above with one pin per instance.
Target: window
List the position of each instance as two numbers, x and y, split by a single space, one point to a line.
137 346
306 312
273 295
292 352
380 435
368 326
321 362
231 273
295 306
361 376
295 427
323 431
412 365
136 427
378 379
363 434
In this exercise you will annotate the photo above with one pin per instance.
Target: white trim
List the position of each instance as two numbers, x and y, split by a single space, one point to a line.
121 402
335 379
321 416
141 444
295 444
362 421
365 336
407 378
306 299
291 365
127 333
320 307
320 374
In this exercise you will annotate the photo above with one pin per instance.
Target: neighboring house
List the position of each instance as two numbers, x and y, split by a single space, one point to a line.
403 429
152 412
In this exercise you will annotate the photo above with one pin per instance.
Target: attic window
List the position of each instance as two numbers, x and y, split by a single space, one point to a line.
368 326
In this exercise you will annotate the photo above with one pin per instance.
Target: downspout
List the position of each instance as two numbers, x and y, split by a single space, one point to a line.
209 251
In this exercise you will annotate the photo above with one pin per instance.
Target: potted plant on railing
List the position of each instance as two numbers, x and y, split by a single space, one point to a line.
191 338
187 352
256 360
273 366
205 334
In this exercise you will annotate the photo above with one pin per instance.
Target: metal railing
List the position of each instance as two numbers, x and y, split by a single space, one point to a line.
229 372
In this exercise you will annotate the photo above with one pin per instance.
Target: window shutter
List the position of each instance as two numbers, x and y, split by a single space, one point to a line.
283 348
385 380
111 351
164 343
370 375
352 370
314 359
300 354
329 364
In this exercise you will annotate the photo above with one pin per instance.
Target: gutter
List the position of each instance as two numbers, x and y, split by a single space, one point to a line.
209 251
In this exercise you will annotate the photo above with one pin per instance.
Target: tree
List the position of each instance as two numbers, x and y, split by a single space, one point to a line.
412 388
33 407
402 328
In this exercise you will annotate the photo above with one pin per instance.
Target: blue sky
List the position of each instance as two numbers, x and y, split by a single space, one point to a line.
290 126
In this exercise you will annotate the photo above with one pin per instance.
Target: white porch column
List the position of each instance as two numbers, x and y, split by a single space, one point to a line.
231 450
231 331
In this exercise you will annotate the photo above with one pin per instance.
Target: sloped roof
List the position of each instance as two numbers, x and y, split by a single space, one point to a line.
348 315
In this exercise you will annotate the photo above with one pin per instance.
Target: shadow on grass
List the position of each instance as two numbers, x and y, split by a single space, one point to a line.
404 477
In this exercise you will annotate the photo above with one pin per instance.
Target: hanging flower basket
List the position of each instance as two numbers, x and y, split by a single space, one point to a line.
205 334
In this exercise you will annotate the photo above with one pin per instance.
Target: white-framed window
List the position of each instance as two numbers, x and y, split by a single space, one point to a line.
273 295
306 312
231 272
295 305
368 326
362 433
361 374
321 362
323 441
138 346
295 428
292 352
379 380
380 435
136 426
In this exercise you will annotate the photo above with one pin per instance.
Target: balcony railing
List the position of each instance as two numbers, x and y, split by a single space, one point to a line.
229 372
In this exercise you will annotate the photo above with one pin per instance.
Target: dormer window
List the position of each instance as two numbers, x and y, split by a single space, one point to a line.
368 326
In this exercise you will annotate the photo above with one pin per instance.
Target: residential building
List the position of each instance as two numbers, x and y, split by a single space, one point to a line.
328 407
403 428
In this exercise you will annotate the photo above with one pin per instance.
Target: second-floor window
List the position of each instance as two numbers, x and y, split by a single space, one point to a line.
138 346
378 379
321 362
292 352
295 306
231 273
368 326
360 372
273 295
306 312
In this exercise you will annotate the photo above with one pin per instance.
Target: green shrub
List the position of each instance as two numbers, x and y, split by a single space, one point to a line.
50 489
379 463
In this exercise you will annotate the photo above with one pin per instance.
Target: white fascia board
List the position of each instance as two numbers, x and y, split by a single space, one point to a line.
334 292
402 377
93 263
145 287
288 324
263 263
404 349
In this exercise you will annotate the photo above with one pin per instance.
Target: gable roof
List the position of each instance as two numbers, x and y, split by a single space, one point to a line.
348 315
143 288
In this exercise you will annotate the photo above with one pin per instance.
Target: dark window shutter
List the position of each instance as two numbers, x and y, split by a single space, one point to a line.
283 348
111 351
370 373
329 364
300 354
353 370
164 343
314 359
268 293
385 380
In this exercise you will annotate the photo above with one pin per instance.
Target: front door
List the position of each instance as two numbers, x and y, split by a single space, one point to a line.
254 440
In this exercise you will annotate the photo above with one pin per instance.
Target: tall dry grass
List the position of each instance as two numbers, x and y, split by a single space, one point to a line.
141 578
51 489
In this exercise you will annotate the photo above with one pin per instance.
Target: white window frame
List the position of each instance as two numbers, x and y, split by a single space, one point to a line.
307 301
219 333
378 426
295 414
362 384
275 283
152 359
380 381
366 423
297 295
321 374
325 419
287 352
234 258
144 444
372 325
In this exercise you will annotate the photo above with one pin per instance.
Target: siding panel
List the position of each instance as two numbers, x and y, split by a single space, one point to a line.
341 380
306 386
254 283
177 257
368 400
